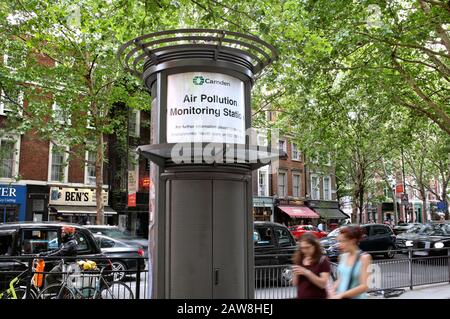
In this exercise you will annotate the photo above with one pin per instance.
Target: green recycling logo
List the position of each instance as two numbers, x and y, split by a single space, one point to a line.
198 80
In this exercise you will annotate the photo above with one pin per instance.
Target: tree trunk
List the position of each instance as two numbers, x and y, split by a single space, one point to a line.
354 212
424 203
396 213
445 200
361 204
99 180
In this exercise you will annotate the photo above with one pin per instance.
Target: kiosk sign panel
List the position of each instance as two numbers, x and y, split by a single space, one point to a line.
205 107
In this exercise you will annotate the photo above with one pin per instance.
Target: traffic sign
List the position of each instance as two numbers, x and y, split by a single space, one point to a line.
441 206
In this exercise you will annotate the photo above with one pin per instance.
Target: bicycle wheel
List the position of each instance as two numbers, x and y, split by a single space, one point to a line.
56 291
88 293
22 291
116 290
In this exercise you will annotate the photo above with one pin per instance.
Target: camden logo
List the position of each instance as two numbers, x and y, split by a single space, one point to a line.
200 80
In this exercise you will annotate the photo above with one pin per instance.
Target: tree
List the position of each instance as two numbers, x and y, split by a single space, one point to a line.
401 48
69 75
427 162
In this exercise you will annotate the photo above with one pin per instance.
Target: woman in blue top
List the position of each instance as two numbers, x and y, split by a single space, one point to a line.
353 266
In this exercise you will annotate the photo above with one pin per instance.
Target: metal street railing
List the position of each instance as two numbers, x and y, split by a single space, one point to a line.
409 268
21 279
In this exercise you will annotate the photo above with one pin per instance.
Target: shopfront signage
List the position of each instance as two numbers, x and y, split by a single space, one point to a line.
205 107
75 196
12 194
132 189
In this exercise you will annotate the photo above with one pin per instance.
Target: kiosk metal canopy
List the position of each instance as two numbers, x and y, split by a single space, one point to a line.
149 50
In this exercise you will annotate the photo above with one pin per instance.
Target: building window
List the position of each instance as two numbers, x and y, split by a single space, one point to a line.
327 188
90 122
282 184
58 165
58 114
296 185
328 159
295 152
314 159
15 55
9 100
282 145
262 183
315 191
387 192
8 158
133 123
91 157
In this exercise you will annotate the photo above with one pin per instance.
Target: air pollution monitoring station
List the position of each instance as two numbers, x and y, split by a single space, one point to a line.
201 226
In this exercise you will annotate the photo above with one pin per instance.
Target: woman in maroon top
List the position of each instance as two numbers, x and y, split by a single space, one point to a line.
311 269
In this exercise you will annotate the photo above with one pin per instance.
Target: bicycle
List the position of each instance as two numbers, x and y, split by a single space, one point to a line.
19 292
71 289
14 292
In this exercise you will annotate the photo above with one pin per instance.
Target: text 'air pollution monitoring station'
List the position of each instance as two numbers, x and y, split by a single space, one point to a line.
205 107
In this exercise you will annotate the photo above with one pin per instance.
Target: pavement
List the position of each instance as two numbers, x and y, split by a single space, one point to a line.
436 291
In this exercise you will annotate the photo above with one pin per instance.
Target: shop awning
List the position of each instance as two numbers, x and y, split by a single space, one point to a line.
299 211
331 213
262 202
72 210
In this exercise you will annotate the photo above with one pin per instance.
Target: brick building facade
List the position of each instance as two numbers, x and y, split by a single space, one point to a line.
38 182
295 193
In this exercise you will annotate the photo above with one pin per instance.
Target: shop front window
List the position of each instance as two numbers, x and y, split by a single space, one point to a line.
9 213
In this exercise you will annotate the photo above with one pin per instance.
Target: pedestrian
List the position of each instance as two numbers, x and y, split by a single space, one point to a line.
311 269
352 280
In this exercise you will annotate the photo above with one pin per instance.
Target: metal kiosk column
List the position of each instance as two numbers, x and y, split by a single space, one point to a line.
201 225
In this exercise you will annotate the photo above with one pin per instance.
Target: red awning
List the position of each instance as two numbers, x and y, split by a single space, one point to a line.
299 211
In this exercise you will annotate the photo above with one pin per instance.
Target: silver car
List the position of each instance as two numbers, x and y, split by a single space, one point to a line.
116 233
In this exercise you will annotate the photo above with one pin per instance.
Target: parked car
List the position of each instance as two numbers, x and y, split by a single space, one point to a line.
116 233
404 227
27 239
377 237
125 257
299 230
274 245
432 239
